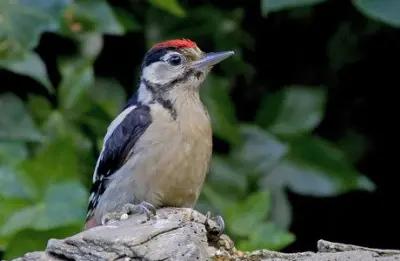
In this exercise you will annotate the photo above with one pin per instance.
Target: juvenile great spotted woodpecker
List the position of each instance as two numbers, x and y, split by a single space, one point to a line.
156 152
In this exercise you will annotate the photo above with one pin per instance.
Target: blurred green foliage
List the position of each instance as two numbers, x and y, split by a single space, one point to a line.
48 143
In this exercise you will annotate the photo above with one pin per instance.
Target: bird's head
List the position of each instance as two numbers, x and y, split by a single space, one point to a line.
176 64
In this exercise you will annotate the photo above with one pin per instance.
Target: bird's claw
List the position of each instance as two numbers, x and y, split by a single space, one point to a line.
220 224
128 209
110 217
142 208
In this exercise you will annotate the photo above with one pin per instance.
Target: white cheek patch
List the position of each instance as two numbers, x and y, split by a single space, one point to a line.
144 95
161 73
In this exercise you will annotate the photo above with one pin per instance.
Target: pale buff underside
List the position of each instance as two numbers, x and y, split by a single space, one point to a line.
168 163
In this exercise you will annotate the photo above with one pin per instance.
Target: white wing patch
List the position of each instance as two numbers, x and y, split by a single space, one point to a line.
114 124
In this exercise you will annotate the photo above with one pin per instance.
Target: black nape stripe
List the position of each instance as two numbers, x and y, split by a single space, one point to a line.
167 104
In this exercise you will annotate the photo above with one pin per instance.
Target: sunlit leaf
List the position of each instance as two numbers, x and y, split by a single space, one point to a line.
28 64
215 95
292 111
269 6
9 206
15 122
14 185
386 11
23 218
22 22
266 236
171 6
247 214
63 204
260 150
90 45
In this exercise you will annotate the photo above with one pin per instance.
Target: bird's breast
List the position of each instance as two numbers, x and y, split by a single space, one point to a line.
174 157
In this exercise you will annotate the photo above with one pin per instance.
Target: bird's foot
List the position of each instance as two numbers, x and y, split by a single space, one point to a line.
129 209
142 208
219 228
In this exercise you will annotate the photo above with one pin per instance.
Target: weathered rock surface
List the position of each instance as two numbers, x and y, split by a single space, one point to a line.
181 234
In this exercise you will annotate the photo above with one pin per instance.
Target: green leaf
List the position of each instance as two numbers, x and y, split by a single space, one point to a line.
28 64
109 95
224 171
12 152
292 111
91 16
260 150
77 78
269 6
22 22
23 218
15 122
316 167
40 108
63 204
387 11
266 236
281 210
9 206
219 201
58 125
343 47
215 95
54 162
14 185
170 6
248 214
90 45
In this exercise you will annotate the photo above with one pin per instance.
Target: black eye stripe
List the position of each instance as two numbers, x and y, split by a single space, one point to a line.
155 56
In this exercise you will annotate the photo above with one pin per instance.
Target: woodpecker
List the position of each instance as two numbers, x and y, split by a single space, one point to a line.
156 152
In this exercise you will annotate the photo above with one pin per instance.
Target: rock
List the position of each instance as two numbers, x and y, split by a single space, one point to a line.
181 234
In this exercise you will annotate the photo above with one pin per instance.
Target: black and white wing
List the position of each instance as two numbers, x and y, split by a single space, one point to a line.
122 134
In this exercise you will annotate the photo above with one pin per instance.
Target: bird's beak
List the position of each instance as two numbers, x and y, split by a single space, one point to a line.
211 59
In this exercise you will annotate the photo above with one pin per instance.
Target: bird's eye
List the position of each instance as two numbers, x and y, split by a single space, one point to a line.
175 60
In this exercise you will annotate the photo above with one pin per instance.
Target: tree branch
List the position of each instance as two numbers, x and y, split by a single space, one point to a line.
181 234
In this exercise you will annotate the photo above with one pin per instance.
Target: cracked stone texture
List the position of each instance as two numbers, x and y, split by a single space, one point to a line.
181 234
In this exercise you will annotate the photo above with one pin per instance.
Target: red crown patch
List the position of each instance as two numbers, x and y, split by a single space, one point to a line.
177 43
